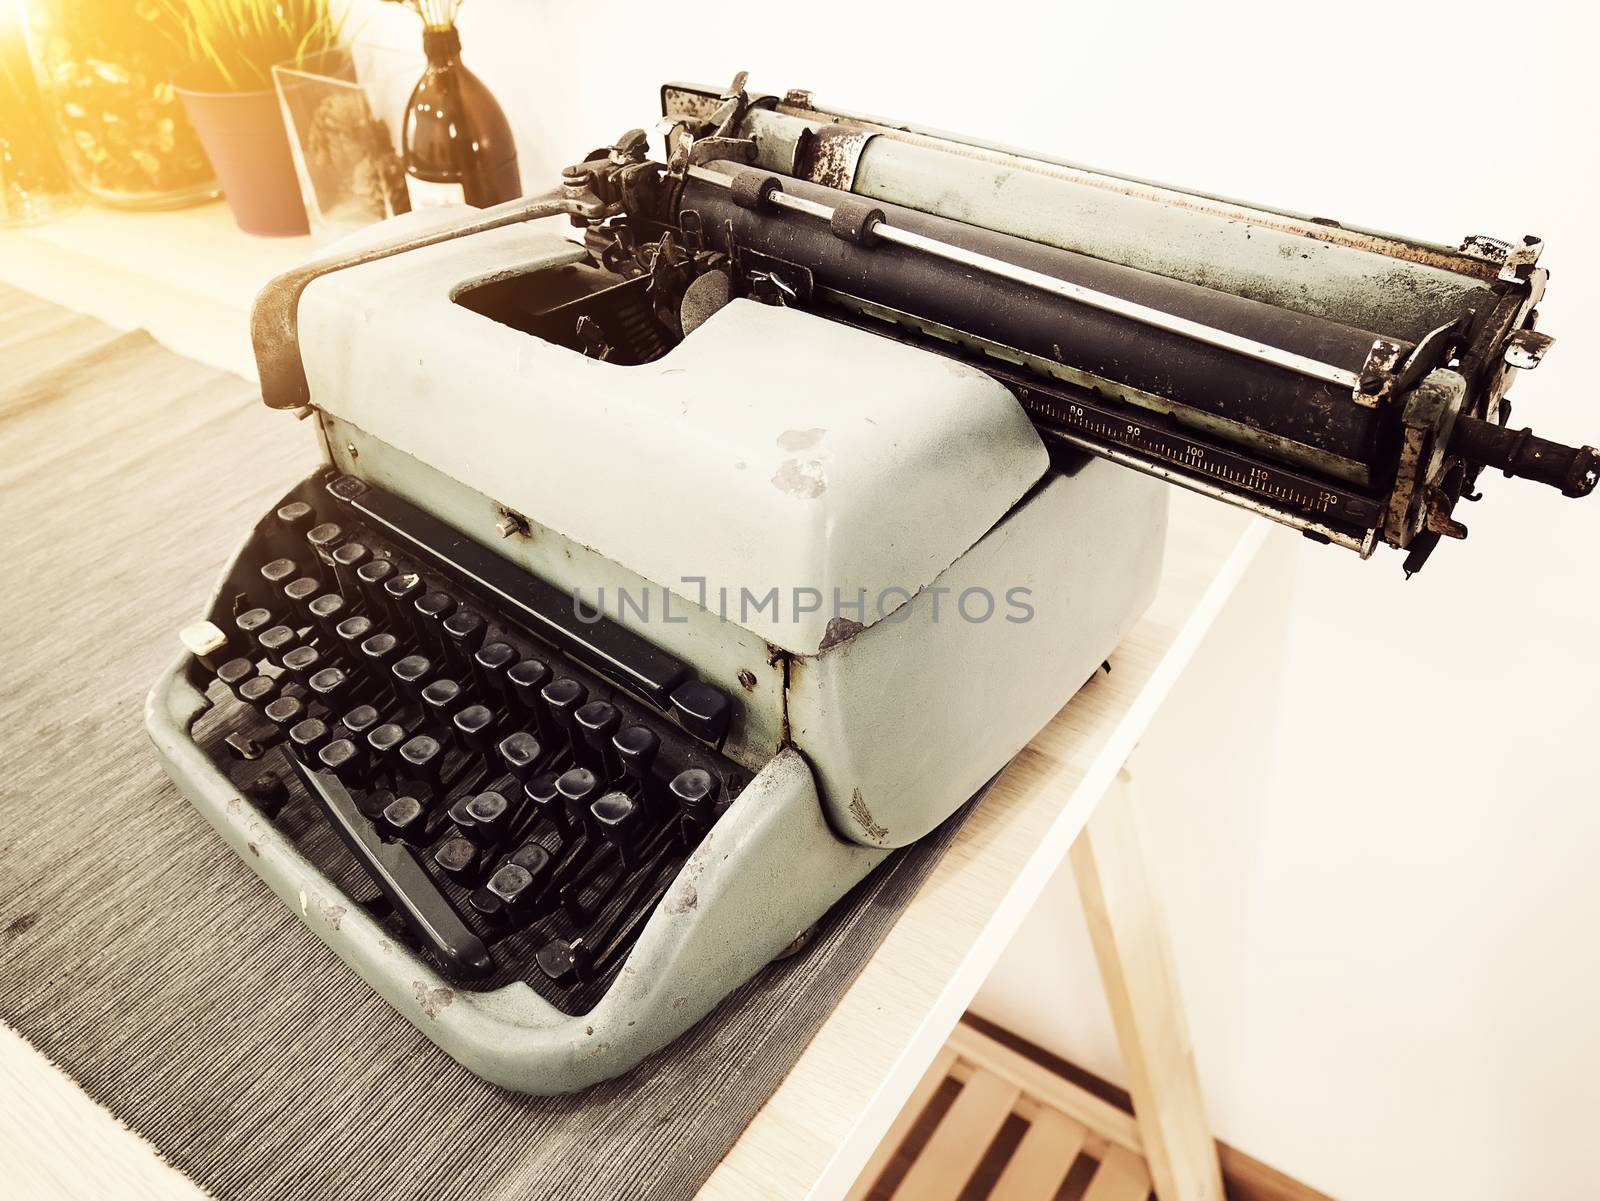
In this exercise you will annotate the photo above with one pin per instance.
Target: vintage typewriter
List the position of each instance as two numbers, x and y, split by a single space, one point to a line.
606 653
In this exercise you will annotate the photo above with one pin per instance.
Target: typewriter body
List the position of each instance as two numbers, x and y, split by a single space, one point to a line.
658 585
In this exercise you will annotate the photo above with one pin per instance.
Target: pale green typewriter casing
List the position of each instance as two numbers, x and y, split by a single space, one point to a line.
772 451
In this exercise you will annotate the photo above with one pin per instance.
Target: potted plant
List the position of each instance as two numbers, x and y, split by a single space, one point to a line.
228 92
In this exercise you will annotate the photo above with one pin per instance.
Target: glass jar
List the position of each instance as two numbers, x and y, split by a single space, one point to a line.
33 182
106 69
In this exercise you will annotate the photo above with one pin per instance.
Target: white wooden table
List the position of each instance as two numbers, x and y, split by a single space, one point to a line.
189 277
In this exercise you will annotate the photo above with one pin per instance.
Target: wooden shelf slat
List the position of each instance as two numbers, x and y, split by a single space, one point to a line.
1038 1081
1042 1159
959 1142
904 1120
1121 1176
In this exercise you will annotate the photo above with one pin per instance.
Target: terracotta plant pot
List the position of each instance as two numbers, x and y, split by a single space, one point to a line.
243 135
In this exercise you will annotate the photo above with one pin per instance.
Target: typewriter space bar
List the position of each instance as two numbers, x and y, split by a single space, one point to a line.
395 870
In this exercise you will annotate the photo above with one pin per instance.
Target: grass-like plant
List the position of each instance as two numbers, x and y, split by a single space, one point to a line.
233 44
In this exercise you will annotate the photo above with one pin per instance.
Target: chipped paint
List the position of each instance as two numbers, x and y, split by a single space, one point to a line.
747 679
684 898
797 440
677 1002
331 913
800 478
840 631
432 1001
253 848
863 816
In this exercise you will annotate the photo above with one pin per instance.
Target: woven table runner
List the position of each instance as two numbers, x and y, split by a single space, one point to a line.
148 963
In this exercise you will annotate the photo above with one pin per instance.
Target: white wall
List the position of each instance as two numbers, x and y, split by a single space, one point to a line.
1373 806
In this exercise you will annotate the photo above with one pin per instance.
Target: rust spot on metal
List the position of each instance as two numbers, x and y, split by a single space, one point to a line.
800 478
747 679
840 630
588 1029
863 816
828 156
432 1001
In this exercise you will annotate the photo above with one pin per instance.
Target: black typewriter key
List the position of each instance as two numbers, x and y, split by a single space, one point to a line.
475 730
489 907
579 788
535 858
268 793
360 721
348 558
277 642
565 963
323 538
371 576
401 590
411 674
702 710
405 817
562 700
527 680
636 748
296 517
351 633
440 700
235 672
331 686
464 632
490 664
521 752
519 881
459 859
377 653
259 691
540 865
460 818
620 820
385 742
422 760
286 712
597 723
541 792
300 593
432 610
277 575
346 759
300 663
696 791
307 738
252 623
327 611
491 814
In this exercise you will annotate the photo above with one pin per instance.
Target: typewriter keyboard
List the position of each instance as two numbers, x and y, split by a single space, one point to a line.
510 786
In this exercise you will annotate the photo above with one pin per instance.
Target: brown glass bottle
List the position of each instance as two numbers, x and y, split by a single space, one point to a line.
458 145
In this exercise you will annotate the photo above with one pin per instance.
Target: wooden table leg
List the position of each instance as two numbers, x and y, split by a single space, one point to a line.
1129 933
